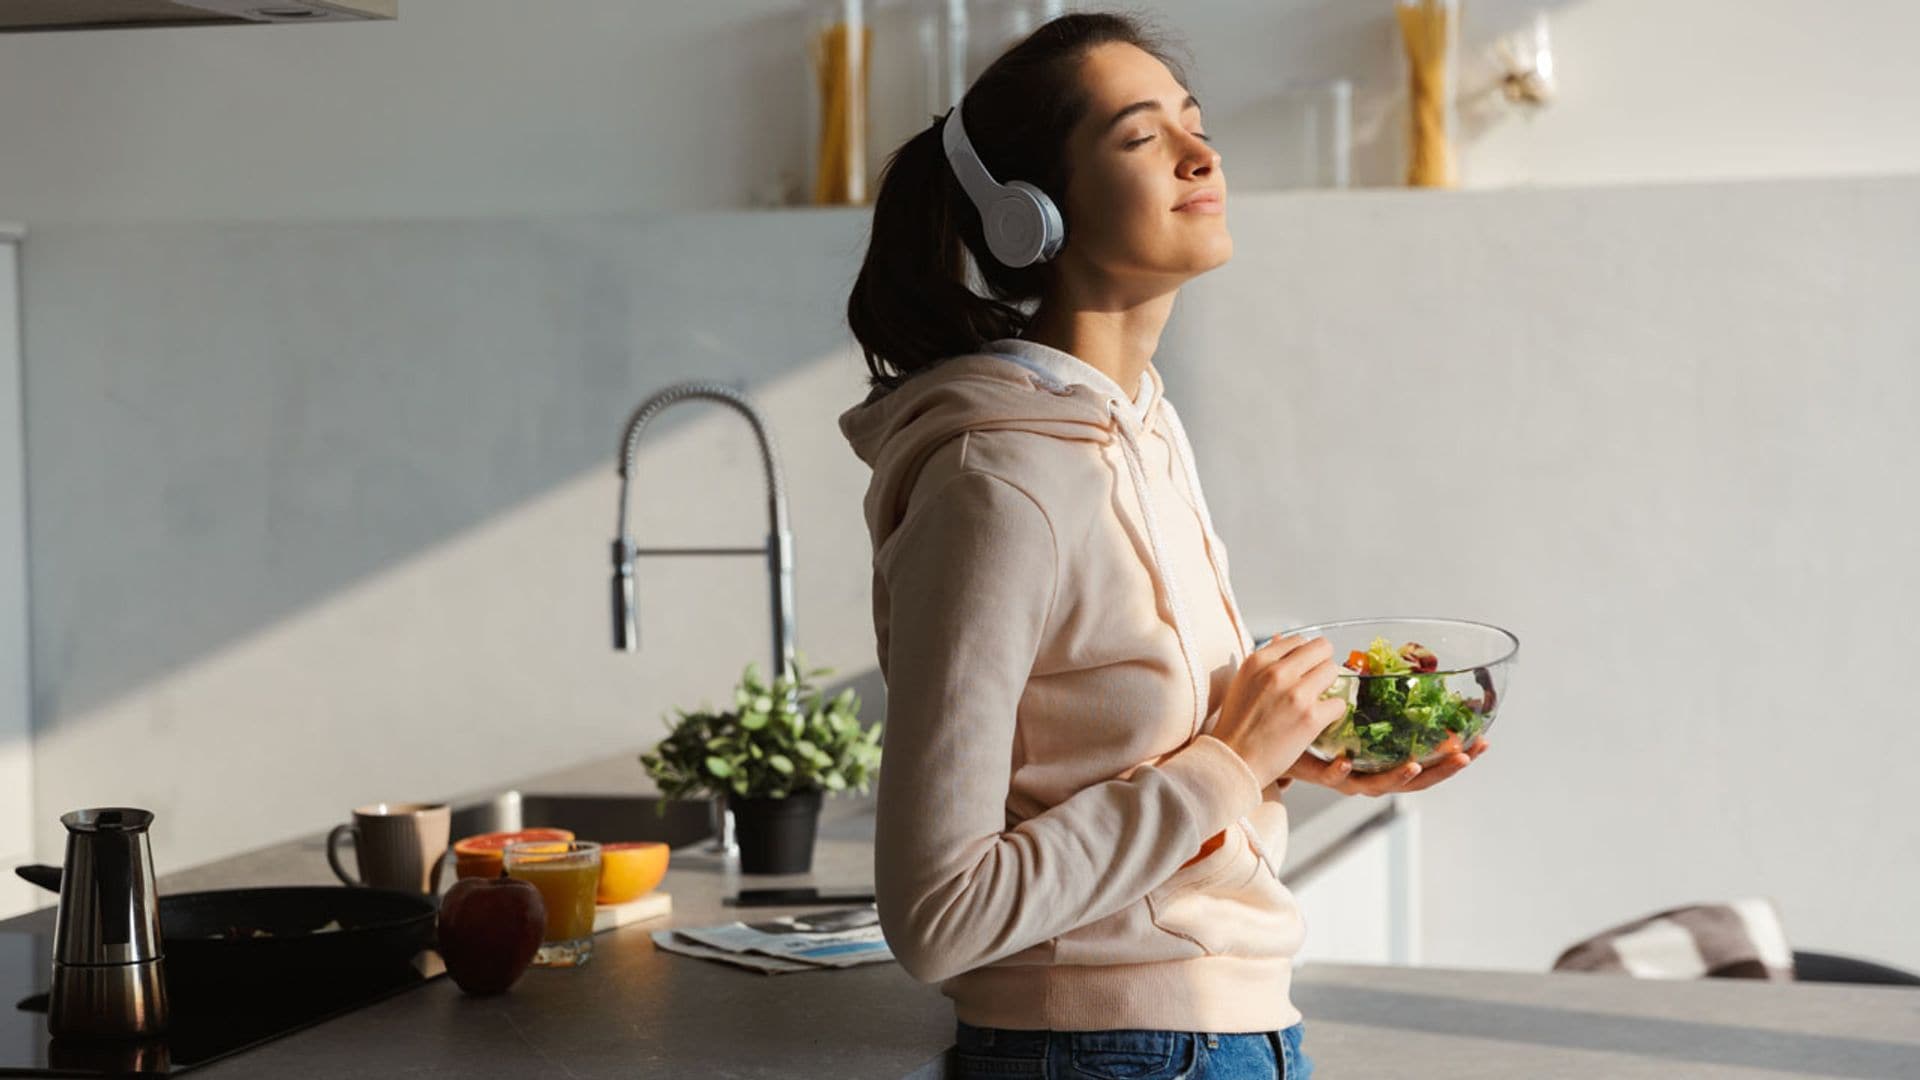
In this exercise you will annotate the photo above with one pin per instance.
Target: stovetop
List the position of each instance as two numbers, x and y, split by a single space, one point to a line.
206 1024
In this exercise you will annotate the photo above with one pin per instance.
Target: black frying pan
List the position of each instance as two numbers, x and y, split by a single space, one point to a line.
273 934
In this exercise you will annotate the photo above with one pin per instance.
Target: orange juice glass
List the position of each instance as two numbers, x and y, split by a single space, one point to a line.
567 873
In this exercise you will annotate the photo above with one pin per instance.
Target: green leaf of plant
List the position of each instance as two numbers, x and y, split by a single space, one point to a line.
719 767
753 721
780 762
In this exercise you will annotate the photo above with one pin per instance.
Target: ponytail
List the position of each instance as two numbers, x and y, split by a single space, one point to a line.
913 303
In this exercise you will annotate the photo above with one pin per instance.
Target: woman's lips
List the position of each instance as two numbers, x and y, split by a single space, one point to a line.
1211 202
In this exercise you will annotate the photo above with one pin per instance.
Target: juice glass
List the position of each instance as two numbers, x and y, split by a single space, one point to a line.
567 873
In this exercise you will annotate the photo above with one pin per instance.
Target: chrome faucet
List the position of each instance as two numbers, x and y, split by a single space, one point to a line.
778 550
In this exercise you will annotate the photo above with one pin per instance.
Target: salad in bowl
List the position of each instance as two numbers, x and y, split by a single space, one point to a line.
1416 689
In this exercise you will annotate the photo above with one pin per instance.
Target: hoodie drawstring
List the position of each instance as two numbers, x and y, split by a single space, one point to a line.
1137 471
1214 546
1216 560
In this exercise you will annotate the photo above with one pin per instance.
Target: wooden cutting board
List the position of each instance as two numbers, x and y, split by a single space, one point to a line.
654 905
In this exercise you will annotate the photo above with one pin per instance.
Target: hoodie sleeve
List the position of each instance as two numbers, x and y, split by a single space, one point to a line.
968 588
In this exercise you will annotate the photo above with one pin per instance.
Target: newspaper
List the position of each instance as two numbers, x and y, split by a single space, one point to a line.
846 937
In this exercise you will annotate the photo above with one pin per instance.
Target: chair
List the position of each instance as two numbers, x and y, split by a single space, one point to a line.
1833 968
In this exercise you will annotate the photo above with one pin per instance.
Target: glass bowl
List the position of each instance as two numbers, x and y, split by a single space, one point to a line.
1416 689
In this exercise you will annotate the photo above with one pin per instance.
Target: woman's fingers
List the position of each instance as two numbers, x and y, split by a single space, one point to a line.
1304 663
1381 783
1281 644
1438 771
1448 766
1328 712
1324 773
1338 774
1277 647
1321 676
1303 651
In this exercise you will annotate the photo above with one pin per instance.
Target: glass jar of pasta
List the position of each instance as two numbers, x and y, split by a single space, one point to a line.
839 47
1430 31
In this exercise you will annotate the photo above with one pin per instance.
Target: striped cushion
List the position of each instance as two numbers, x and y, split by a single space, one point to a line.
1741 939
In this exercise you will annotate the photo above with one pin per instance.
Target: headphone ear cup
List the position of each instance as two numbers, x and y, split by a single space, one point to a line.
1014 228
1053 226
1023 226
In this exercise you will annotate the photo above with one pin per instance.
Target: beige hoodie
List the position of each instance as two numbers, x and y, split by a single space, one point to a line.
1057 632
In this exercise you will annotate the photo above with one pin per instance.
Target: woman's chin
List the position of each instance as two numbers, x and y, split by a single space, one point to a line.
1212 254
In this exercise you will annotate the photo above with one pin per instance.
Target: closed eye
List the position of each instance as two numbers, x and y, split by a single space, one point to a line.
1149 138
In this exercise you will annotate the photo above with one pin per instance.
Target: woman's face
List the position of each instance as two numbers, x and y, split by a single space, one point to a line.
1136 156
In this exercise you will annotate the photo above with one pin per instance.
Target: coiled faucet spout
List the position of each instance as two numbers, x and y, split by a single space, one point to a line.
778 550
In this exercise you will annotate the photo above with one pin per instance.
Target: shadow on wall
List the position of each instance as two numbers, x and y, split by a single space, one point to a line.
229 424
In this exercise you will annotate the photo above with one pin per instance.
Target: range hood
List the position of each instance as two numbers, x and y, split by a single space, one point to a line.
17 16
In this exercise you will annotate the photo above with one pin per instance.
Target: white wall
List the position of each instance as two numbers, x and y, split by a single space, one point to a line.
1660 433
320 512
484 107
1717 89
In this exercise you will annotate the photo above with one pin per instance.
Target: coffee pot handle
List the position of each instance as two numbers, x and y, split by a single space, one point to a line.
47 877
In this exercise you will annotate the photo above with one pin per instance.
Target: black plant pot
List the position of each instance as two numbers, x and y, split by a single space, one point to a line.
776 835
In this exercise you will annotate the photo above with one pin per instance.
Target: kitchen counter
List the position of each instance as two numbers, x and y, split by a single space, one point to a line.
638 1011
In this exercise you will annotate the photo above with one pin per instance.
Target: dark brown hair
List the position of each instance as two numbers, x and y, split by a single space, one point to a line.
912 305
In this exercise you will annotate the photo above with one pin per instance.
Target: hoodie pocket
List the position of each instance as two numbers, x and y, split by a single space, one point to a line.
1134 935
1233 907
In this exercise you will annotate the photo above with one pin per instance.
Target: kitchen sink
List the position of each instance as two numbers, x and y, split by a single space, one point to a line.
606 818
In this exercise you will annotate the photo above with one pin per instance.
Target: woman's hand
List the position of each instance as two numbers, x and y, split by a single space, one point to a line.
1274 708
1338 774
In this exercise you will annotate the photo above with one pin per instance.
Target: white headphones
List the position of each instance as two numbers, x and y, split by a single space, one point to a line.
1022 224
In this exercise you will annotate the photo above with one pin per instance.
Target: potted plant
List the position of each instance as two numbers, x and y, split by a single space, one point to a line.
770 757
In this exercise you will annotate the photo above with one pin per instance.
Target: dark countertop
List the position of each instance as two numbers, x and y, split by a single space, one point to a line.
638 1011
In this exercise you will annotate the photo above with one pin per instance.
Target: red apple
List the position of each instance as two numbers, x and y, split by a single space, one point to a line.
489 930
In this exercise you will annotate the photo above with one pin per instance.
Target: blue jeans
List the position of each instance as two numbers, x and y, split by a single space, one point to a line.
1129 1055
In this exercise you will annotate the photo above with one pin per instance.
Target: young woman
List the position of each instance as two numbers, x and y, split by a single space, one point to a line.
1080 819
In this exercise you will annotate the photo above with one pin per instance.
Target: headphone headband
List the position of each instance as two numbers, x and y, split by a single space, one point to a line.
972 173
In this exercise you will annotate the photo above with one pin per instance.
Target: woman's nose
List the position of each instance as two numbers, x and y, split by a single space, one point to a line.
1203 162
1201 158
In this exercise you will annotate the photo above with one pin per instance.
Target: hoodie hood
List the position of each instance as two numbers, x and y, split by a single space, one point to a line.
1021 389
